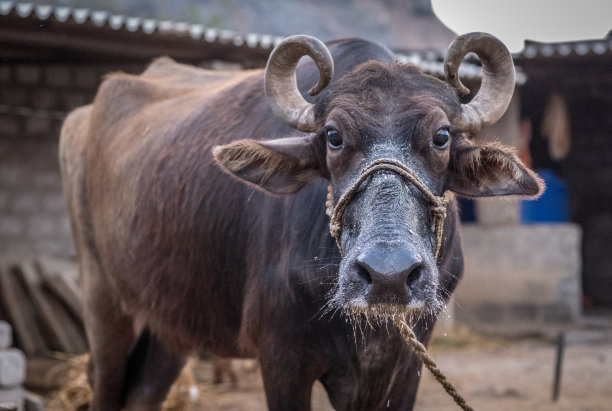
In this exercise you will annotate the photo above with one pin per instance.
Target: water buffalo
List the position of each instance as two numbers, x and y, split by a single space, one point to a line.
198 204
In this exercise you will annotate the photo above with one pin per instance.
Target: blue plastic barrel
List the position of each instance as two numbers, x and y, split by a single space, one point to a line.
552 206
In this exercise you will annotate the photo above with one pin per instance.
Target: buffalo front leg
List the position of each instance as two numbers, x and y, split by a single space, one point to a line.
288 378
152 370
111 337
403 393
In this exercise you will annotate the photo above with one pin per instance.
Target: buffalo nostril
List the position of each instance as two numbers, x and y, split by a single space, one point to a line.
363 273
414 275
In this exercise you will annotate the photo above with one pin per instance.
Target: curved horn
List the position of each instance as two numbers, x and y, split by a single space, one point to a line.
497 85
281 85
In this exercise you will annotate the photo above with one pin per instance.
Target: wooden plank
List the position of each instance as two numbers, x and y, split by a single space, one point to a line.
60 277
21 313
72 328
33 402
51 266
56 321
61 287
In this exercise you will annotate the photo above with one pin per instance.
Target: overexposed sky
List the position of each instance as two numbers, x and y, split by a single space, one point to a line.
513 21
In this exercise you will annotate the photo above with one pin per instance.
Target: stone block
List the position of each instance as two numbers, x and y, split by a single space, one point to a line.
25 202
527 275
4 201
58 75
32 402
498 211
38 126
11 398
54 202
489 312
11 225
6 74
557 313
27 74
47 180
14 96
15 245
56 127
43 98
6 335
53 246
12 367
525 311
41 225
9 125
65 229
73 100
10 175
86 77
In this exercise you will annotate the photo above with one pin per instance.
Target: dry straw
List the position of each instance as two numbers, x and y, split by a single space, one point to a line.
75 394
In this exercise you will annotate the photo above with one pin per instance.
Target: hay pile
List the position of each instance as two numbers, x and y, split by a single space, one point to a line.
75 393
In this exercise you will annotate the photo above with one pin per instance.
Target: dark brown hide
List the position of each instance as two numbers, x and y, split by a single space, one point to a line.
178 255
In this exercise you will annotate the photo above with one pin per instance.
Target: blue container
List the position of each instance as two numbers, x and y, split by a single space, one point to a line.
467 210
552 206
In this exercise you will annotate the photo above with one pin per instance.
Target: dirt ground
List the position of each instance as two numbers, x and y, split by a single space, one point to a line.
518 375
492 373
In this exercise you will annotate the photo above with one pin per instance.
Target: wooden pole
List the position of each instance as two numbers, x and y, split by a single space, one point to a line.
558 364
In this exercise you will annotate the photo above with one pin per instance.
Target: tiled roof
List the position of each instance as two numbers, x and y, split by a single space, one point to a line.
399 24
105 20
584 48
430 61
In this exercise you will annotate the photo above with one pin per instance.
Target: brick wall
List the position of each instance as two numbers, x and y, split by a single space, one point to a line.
33 99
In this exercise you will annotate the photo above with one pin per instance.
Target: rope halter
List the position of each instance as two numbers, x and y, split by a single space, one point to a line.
438 204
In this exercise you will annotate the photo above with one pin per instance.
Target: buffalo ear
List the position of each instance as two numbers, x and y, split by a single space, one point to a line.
490 170
280 166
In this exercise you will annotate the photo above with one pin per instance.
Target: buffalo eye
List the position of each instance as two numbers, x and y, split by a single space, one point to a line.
440 138
334 139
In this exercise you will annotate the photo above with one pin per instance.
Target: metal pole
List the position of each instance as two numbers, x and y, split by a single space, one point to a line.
558 363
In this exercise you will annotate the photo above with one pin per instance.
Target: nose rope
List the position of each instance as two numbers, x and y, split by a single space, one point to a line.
439 206
439 203
420 350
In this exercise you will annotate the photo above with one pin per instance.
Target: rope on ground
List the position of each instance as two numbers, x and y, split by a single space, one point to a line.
420 350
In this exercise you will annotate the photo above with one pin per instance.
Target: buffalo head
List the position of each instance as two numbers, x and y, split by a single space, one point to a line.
394 144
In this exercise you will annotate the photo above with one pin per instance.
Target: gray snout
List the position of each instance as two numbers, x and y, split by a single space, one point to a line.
389 274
